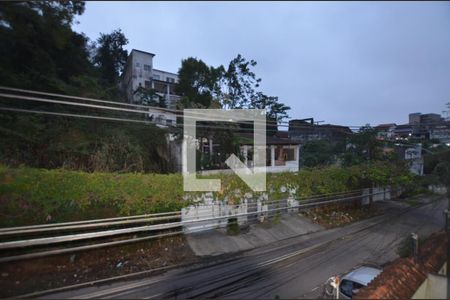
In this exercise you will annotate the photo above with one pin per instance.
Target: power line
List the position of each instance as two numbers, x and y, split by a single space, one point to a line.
175 111
75 97
54 101
147 122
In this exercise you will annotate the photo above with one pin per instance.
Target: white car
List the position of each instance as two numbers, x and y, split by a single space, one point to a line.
349 284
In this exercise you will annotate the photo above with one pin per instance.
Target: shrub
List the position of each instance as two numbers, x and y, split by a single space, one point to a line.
31 196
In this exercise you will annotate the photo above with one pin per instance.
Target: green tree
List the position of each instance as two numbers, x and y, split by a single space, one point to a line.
111 57
198 82
363 147
149 97
275 110
38 48
239 83
318 153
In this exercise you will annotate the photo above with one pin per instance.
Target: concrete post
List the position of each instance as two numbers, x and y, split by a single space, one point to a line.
183 157
415 246
210 146
245 155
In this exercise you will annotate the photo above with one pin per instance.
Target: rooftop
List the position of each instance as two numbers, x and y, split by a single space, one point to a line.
277 139
387 125
142 52
402 278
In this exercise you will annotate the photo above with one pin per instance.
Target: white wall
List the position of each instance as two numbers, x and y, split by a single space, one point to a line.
434 287
163 75
161 116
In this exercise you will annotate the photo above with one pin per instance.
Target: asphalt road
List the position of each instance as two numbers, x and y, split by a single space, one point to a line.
291 268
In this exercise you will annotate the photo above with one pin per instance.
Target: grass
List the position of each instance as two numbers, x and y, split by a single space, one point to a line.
31 196
34 196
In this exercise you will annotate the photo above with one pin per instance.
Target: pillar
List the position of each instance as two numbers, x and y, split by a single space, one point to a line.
272 155
210 146
246 155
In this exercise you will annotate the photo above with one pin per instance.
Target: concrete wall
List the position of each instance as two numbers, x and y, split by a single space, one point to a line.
434 287
212 209
162 117
163 75
139 75
380 195
208 207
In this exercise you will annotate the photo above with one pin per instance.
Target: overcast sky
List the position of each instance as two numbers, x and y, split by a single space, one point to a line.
345 63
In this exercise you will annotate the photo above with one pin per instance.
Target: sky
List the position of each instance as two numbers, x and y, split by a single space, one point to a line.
346 63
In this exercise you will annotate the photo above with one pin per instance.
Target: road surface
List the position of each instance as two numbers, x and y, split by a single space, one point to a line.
292 268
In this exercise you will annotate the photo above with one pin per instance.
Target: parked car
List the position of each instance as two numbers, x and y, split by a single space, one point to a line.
348 285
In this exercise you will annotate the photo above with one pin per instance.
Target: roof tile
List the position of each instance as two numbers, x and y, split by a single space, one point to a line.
402 278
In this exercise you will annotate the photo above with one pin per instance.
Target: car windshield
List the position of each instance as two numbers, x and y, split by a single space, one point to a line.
349 288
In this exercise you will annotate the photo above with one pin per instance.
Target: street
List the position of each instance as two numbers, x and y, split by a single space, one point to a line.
291 268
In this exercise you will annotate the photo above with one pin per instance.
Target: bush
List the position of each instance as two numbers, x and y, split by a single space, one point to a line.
31 195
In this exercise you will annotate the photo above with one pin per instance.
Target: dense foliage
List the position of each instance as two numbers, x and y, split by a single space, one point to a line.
31 196
40 51
437 166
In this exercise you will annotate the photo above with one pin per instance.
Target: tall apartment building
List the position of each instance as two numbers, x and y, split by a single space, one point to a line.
422 124
139 72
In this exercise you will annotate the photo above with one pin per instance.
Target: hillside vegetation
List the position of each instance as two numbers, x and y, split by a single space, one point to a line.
33 196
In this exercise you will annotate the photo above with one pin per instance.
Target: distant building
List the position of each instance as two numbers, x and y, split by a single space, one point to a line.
139 73
385 131
414 119
305 130
403 131
441 133
282 153
423 124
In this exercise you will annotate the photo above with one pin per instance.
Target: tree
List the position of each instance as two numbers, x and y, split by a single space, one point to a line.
111 57
197 82
234 87
276 111
318 153
38 48
363 147
150 97
239 83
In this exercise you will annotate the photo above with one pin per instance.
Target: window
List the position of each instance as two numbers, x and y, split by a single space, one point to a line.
169 122
147 84
156 77
349 288
289 154
147 68
138 64
169 79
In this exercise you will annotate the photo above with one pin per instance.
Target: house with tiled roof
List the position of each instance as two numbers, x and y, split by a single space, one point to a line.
422 277
385 131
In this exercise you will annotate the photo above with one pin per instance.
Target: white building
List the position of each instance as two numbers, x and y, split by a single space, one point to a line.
282 153
139 72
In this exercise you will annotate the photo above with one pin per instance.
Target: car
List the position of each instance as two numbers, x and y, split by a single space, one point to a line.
349 284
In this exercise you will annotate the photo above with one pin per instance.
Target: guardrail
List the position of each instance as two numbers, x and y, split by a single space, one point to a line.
157 230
